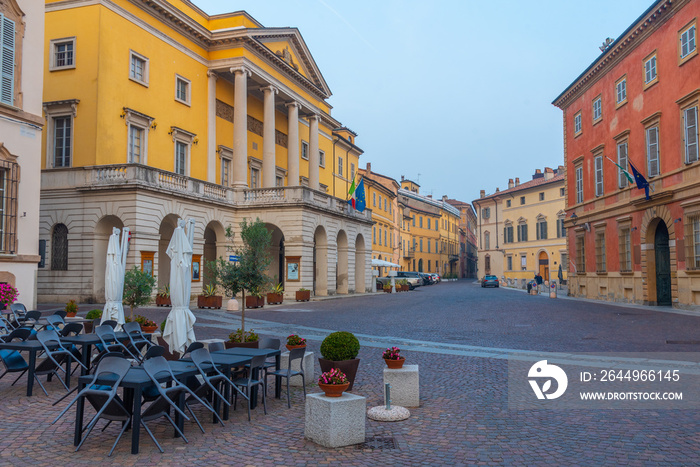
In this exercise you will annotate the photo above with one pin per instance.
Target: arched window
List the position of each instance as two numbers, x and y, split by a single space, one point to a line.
420 265
59 248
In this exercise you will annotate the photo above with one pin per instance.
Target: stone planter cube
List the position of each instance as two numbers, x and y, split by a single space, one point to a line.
335 422
405 386
308 369
206 342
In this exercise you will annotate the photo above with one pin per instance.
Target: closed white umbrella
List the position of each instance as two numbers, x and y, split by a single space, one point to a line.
179 327
114 276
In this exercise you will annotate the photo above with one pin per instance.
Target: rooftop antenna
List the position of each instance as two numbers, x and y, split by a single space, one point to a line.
418 180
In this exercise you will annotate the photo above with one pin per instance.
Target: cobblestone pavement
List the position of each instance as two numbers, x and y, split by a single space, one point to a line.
459 335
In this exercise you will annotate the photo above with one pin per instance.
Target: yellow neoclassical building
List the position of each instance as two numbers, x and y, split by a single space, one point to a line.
521 231
381 195
157 111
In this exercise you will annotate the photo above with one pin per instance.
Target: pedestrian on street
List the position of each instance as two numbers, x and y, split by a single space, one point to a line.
538 279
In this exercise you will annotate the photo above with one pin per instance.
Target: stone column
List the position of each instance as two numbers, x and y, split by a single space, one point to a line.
293 144
269 162
240 127
314 159
211 128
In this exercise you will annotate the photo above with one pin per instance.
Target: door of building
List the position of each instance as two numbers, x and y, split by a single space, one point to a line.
663 265
544 266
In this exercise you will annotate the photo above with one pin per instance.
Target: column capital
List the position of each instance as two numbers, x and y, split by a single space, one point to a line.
316 117
292 104
269 88
241 69
212 74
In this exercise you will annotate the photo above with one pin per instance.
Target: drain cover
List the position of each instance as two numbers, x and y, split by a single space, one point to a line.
379 442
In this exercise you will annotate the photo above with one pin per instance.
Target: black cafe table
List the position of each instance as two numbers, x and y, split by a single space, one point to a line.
33 347
86 341
254 353
135 381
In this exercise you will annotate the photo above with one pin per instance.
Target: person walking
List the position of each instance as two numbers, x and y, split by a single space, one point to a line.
538 280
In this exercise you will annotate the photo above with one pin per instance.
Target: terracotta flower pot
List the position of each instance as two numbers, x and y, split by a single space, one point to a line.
71 314
274 298
303 295
149 329
333 390
387 290
291 347
213 301
349 367
395 364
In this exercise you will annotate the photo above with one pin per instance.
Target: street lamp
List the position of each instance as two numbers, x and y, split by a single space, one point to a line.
574 218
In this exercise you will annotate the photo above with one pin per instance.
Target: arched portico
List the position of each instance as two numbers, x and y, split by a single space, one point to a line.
342 263
360 254
167 227
320 261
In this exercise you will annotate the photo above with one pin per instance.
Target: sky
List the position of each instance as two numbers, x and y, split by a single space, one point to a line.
452 94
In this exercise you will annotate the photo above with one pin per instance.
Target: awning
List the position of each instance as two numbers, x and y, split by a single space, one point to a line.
382 263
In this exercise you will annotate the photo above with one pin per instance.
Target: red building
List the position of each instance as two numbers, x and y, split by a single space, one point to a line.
638 103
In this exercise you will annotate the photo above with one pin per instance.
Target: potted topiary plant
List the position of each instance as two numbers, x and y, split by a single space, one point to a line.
339 350
295 342
208 298
277 294
392 357
163 296
333 383
303 295
240 338
91 315
71 309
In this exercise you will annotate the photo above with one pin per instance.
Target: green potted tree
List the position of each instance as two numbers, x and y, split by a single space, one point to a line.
91 315
276 295
208 298
163 296
138 287
339 350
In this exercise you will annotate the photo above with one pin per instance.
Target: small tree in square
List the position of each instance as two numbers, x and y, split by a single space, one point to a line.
138 287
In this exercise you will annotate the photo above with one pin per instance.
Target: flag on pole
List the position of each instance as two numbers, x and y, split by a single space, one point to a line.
642 182
624 171
357 195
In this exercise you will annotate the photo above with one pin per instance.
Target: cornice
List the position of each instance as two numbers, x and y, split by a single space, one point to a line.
645 25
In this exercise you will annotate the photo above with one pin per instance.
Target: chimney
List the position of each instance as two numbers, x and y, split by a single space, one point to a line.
510 183
444 198
430 196
402 178
538 174
560 169
369 167
548 173
482 193
517 181
497 190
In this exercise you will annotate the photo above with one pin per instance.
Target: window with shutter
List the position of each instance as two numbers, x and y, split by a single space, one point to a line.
652 151
600 251
625 250
599 175
7 75
622 162
690 118
579 184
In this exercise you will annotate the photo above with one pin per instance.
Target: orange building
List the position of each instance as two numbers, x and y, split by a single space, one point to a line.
638 103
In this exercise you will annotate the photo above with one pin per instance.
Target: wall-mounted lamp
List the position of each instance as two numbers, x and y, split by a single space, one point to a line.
123 114
633 229
574 218
195 141
171 131
154 125
677 220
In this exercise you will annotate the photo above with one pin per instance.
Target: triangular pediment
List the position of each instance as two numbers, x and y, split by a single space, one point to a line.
288 45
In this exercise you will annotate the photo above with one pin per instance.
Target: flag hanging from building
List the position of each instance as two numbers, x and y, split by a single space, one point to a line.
624 171
357 195
642 182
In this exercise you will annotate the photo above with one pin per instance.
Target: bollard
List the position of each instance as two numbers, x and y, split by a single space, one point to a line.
388 396
553 290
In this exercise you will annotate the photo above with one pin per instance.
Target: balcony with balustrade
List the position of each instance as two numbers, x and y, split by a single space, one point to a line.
130 176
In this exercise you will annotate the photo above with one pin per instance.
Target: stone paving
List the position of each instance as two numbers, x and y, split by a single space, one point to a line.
453 331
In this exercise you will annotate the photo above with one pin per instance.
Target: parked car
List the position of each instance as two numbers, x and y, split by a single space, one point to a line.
436 277
413 279
426 278
489 281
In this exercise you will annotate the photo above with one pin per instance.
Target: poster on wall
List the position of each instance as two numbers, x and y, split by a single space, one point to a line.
293 263
196 266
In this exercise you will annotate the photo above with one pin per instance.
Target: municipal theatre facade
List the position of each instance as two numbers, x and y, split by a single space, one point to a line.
156 111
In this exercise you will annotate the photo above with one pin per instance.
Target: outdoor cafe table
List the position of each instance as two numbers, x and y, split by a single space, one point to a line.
135 381
254 353
32 346
226 362
86 341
